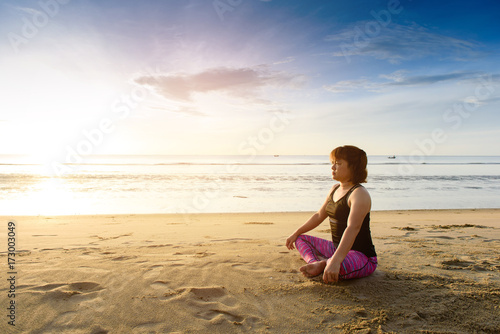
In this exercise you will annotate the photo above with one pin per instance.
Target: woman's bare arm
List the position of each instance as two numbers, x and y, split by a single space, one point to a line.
314 221
360 203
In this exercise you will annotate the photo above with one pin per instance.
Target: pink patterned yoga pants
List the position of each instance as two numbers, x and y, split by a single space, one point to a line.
355 264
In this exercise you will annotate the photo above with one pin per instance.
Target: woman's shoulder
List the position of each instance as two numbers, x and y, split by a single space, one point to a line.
361 199
359 192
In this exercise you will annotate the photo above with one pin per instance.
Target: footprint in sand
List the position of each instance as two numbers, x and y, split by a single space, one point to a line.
213 314
159 284
163 291
85 286
203 254
59 291
406 228
208 294
440 237
213 303
111 238
123 258
457 264
157 245
152 272
47 287
150 327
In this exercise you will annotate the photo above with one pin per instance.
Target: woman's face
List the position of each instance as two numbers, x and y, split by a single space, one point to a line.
340 170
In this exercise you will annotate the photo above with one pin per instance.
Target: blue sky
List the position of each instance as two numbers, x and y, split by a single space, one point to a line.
249 77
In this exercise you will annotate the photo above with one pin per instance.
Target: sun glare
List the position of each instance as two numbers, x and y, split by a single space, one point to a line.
46 143
53 197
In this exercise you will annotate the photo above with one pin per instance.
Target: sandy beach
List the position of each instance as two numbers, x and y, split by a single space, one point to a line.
439 272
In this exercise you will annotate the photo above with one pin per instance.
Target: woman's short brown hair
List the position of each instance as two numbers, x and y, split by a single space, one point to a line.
356 159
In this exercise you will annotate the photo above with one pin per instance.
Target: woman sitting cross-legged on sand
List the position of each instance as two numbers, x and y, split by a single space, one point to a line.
351 254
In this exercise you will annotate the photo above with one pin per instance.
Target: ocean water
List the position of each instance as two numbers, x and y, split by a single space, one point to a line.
180 184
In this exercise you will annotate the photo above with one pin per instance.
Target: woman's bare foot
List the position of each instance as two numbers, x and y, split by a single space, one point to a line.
313 269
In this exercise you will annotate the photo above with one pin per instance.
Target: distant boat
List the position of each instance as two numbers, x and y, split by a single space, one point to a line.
392 157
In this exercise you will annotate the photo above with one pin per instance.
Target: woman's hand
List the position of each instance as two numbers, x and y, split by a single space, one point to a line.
331 272
290 241
313 222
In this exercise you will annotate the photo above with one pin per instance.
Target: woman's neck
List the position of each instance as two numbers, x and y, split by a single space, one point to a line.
346 185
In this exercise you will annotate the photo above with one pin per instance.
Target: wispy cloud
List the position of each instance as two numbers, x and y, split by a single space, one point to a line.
347 86
430 79
285 61
236 82
397 43
397 78
492 100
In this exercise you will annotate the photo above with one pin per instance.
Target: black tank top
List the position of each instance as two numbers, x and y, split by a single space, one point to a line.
338 212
